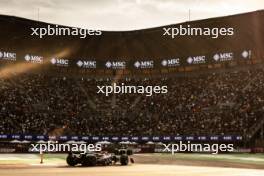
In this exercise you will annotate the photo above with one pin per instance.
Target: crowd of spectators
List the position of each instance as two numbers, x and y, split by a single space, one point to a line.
225 103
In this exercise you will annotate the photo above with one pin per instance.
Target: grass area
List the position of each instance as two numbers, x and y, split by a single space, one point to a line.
57 156
31 158
60 158
239 158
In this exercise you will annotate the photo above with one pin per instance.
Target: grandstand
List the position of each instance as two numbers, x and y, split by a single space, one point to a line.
48 86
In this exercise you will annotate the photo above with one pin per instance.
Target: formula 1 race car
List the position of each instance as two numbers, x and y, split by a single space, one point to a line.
105 159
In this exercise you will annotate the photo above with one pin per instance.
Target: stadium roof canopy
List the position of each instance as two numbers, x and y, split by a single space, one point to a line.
15 34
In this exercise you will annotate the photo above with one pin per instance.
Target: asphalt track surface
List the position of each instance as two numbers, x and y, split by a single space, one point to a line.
155 167
131 170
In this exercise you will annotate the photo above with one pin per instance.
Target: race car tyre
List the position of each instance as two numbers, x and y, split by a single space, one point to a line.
124 160
89 160
71 161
